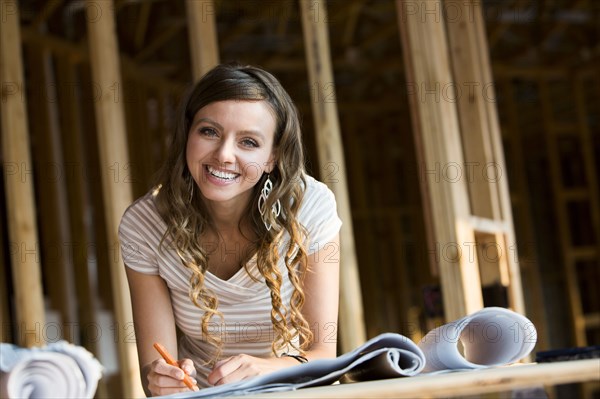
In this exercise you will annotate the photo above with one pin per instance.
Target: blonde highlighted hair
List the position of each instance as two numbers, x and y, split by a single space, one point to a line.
185 214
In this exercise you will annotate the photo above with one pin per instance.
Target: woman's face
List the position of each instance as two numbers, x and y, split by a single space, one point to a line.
229 146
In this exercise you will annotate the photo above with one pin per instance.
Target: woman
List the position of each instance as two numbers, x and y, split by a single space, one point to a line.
233 260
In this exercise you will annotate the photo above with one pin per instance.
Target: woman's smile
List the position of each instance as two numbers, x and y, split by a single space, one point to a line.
221 175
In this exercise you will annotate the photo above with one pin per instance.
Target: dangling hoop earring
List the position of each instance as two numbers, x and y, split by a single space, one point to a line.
262 200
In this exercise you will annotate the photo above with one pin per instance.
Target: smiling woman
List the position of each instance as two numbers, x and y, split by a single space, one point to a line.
236 247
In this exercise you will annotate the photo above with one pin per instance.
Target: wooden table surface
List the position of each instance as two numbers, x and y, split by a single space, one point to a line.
459 383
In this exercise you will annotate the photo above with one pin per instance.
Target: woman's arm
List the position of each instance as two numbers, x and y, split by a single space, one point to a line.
154 322
321 290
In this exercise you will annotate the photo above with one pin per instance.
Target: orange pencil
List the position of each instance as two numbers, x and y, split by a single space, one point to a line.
169 359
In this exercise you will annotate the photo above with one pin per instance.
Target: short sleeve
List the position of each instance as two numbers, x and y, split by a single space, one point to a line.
318 214
135 237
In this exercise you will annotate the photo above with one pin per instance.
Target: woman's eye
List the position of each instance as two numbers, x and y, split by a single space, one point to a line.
249 143
207 131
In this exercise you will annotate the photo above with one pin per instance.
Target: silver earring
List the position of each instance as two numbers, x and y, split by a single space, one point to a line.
262 200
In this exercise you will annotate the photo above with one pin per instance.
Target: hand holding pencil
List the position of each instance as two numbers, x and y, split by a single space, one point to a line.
169 359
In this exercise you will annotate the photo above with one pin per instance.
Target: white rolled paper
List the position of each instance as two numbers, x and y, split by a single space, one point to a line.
489 337
59 370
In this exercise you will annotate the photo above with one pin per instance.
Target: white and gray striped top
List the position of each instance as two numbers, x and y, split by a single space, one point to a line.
244 302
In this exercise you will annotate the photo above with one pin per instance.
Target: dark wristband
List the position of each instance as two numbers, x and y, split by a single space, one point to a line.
299 358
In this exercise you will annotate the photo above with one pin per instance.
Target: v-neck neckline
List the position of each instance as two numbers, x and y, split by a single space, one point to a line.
239 276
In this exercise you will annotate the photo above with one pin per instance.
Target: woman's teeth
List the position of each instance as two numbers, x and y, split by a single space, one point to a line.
222 175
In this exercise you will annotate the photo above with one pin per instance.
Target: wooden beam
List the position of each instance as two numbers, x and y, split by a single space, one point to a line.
203 36
331 155
110 122
71 129
470 93
459 384
482 59
20 201
78 202
439 148
53 223
482 144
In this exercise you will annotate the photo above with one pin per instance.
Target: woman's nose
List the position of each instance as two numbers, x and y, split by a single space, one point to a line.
225 152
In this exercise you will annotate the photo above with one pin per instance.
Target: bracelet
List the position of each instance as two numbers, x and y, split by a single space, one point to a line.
299 358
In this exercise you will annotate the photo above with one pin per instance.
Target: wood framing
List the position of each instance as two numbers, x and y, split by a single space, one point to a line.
482 143
18 180
574 253
440 155
351 327
591 320
68 178
116 188
202 32
529 265
44 128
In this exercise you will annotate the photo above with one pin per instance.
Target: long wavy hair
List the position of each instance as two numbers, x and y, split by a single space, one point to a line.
180 204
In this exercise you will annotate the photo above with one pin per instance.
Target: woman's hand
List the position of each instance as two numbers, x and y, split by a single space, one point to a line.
164 379
242 366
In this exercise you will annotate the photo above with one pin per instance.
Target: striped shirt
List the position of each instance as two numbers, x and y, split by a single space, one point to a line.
245 303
